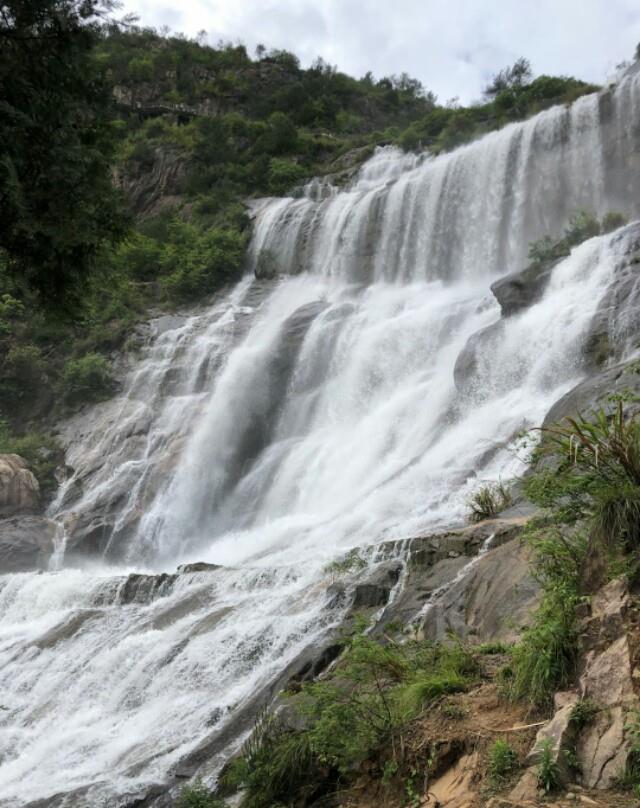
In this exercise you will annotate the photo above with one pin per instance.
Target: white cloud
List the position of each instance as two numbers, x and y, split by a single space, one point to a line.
452 46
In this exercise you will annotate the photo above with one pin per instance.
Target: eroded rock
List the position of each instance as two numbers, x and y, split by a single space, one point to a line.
26 543
19 489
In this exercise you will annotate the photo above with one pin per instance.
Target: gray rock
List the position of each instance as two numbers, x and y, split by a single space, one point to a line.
199 566
26 543
590 394
520 290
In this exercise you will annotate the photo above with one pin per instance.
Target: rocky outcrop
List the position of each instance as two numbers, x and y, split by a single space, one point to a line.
590 394
599 749
26 543
158 185
520 290
19 489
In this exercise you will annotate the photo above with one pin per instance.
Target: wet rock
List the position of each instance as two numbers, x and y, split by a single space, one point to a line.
491 602
26 543
199 566
470 360
589 395
66 629
144 588
520 290
19 489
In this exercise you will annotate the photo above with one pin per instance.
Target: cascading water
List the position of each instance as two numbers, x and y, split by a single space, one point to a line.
292 420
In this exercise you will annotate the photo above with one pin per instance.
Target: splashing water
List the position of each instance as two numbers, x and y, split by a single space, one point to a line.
293 419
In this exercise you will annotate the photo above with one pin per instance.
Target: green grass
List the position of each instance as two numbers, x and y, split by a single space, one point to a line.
488 501
503 761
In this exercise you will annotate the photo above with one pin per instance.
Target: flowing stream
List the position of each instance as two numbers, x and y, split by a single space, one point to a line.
295 418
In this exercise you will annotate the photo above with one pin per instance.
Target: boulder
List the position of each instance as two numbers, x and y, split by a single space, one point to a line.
19 489
26 543
520 290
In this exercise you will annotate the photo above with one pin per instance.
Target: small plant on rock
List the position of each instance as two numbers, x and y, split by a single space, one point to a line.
488 501
198 796
583 713
548 768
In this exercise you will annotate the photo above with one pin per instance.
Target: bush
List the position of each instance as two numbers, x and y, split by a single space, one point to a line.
612 221
488 501
582 226
597 475
582 713
364 706
503 761
198 796
41 452
198 262
87 379
548 768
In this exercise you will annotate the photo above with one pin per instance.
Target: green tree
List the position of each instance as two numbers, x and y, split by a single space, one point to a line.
58 206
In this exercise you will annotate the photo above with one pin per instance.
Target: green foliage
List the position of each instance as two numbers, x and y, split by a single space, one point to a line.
364 706
548 768
199 262
492 648
86 379
612 221
591 477
59 207
582 226
513 95
545 660
582 713
488 501
630 777
503 761
597 474
198 796
41 452
351 562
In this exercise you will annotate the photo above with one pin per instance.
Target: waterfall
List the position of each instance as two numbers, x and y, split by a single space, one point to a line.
301 414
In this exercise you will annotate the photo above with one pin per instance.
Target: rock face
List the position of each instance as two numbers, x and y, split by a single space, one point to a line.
520 290
19 489
474 582
600 748
26 543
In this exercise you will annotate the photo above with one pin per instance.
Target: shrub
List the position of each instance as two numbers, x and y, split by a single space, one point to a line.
546 658
488 501
612 221
597 476
86 379
41 452
198 796
548 768
582 225
582 713
502 762
364 706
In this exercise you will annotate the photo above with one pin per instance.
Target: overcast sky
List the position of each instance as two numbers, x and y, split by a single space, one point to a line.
452 46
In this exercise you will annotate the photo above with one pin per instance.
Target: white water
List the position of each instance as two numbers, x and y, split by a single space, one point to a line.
289 422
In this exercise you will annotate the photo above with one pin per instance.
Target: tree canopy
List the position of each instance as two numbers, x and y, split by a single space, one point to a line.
58 206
